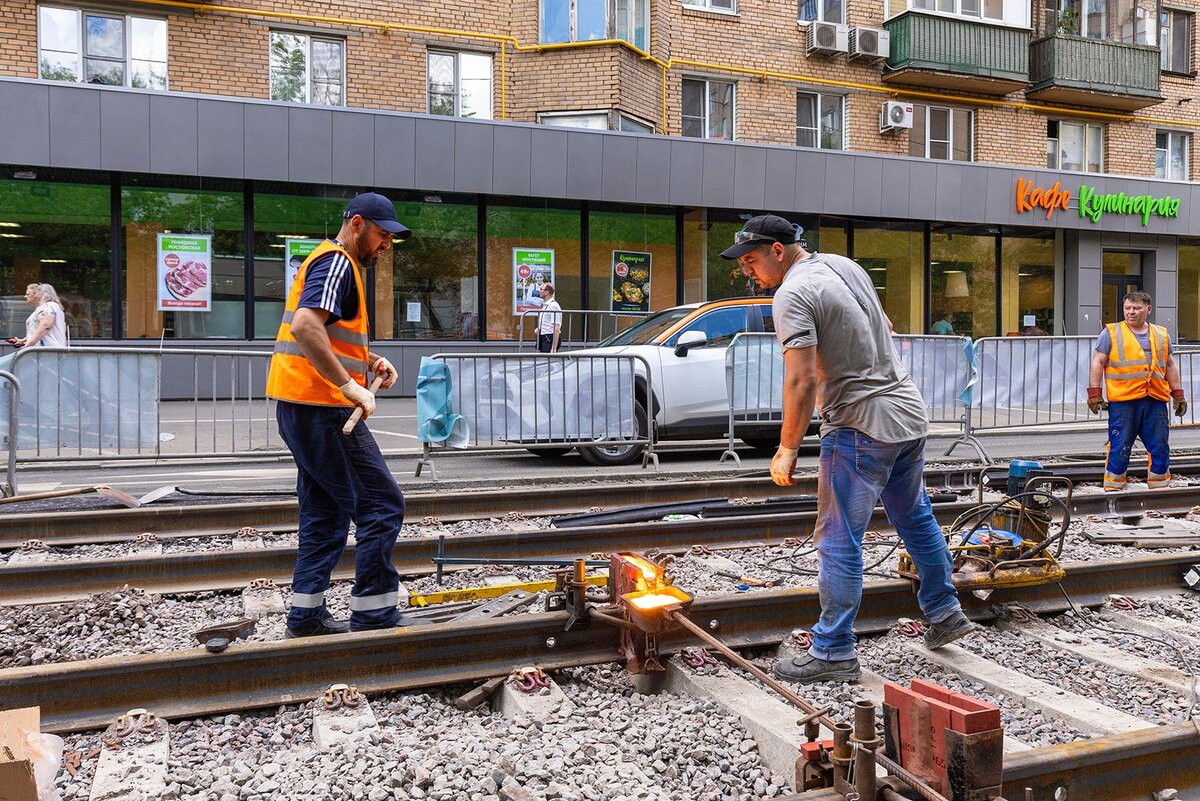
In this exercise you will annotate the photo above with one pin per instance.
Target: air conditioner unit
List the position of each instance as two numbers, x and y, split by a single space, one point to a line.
895 115
827 38
870 44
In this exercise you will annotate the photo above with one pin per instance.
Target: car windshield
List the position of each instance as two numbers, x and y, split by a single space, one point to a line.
648 329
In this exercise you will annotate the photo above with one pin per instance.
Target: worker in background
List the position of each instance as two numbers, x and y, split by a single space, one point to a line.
319 375
944 326
549 320
832 329
1140 378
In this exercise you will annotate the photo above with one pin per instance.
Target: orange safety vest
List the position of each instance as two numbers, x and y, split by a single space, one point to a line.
1131 374
292 377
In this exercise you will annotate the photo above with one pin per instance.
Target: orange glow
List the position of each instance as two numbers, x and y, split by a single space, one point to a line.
652 601
650 571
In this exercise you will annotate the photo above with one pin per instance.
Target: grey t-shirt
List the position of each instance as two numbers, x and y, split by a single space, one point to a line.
828 301
1104 341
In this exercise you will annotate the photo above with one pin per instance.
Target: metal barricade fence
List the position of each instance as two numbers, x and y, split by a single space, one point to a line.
547 402
83 403
754 383
942 368
1189 375
1031 381
580 327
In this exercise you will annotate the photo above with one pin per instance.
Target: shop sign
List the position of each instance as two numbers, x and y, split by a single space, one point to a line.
184 272
532 267
630 281
1092 204
295 251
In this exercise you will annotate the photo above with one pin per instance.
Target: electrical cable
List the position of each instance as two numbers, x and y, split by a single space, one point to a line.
801 552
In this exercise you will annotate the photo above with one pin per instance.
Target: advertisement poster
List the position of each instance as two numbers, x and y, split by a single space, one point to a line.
532 267
184 272
630 281
294 253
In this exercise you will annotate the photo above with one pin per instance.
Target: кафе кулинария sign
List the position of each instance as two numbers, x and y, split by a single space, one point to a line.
1093 205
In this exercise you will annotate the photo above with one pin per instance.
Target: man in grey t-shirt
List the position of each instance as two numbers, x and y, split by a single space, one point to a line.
873 426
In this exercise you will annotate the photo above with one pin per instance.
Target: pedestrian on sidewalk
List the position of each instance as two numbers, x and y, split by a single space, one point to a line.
319 375
832 329
1140 378
46 326
549 320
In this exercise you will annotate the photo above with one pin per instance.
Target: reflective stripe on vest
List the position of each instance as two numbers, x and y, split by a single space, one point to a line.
292 377
1131 373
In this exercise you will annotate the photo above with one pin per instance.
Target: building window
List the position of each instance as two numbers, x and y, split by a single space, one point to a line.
586 20
941 133
820 121
985 9
633 125
1171 155
111 49
708 109
723 6
1074 146
308 69
822 11
1174 40
460 84
1127 21
594 120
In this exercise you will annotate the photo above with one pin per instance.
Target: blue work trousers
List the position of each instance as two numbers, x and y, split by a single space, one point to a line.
1127 420
857 471
342 478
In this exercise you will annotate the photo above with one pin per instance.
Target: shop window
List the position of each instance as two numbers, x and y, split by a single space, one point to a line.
308 69
103 48
723 6
708 109
1189 290
528 242
644 240
1074 146
56 232
941 133
962 281
707 232
587 20
199 207
1175 41
822 11
820 121
894 256
1027 283
1171 155
460 84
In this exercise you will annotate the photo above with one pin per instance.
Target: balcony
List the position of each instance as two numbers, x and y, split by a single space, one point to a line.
958 54
1097 73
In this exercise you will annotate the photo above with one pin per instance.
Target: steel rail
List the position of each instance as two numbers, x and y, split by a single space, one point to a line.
66 580
94 527
89 694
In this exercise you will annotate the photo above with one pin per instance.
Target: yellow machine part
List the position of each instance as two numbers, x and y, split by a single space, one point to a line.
1042 569
494 591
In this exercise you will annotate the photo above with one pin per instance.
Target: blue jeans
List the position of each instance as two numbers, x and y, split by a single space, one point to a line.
1127 420
339 478
857 471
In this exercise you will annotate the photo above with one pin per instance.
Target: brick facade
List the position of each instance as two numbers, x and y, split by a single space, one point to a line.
227 54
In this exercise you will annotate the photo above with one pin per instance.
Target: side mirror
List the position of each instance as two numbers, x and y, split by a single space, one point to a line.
688 340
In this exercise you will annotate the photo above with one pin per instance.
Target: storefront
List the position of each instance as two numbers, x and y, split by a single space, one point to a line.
93 178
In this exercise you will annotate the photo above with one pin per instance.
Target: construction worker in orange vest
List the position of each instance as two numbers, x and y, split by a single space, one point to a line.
1140 377
318 376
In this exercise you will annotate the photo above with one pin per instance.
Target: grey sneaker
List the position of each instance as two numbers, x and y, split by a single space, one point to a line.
949 630
807 669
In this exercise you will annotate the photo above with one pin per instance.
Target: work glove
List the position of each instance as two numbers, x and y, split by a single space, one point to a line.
783 464
1178 402
384 368
1095 400
360 396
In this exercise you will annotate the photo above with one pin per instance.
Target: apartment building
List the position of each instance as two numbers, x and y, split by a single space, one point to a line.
1018 164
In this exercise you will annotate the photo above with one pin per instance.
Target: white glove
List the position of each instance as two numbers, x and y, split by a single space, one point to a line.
783 465
384 368
360 396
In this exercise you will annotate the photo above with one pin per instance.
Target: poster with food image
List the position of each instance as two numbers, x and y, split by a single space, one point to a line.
184 272
630 281
532 267
295 251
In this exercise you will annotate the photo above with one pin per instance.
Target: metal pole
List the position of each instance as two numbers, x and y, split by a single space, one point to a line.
867 742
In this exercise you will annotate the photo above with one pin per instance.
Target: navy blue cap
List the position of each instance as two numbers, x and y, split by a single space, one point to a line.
379 210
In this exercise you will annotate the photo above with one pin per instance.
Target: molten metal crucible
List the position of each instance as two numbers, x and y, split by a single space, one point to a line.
651 610
632 573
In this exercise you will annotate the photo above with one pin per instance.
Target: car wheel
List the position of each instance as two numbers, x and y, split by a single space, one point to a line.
764 444
549 453
617 455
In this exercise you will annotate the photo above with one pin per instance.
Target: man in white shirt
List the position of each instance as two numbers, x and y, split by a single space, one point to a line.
549 320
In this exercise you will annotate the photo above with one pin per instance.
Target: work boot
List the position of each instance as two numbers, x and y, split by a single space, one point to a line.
807 669
325 624
949 630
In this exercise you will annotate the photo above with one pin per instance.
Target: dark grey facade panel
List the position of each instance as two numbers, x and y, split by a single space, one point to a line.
892 203
749 177
265 142
618 181
687 170
779 191
548 171
653 173
868 188
810 180
310 145
125 132
74 126
1000 199
25 124
585 165
395 151
973 195
949 191
174 135
511 149
473 157
837 196
434 143
353 149
221 132
719 171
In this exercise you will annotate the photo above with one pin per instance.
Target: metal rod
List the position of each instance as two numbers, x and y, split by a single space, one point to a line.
841 752
864 755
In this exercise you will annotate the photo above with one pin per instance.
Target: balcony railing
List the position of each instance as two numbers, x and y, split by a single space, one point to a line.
1095 72
925 45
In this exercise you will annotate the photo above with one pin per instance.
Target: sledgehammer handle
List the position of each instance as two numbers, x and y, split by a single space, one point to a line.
358 412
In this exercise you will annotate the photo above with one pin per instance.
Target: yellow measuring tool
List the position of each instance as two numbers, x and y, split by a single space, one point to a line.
494 591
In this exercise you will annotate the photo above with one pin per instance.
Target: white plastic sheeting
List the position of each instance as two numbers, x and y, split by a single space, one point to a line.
1031 380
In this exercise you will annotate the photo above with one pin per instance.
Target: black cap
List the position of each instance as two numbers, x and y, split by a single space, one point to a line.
762 230
379 210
